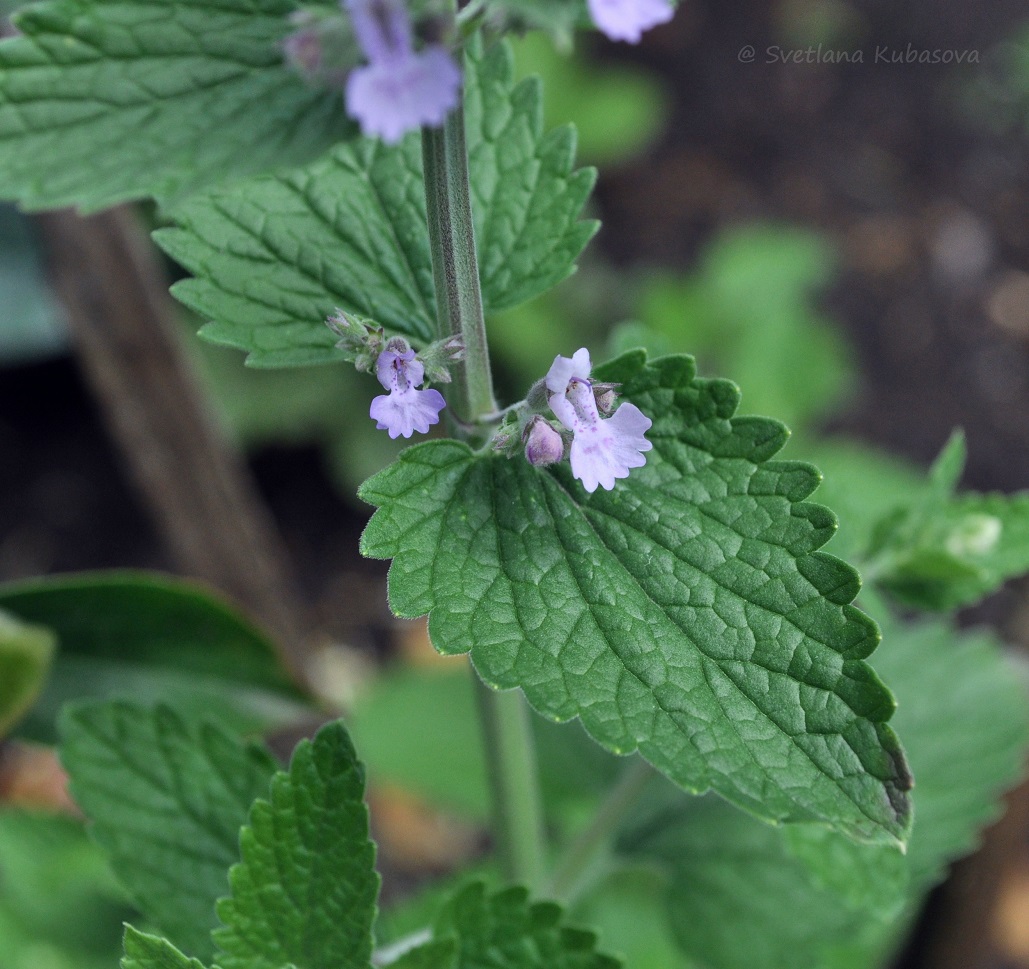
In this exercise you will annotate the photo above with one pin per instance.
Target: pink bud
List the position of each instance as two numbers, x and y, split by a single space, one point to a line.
543 444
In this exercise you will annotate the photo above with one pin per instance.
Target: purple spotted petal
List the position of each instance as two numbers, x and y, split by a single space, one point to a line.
392 96
607 450
404 412
628 19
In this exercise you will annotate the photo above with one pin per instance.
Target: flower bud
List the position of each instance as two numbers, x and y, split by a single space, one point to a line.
543 444
605 396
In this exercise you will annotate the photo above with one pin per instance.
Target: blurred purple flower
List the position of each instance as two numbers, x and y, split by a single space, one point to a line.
602 450
628 19
399 90
404 410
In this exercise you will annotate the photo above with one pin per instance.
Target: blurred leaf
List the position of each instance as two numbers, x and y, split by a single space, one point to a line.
618 110
507 931
747 896
154 638
106 100
305 891
629 912
26 653
150 952
167 800
937 550
59 906
750 312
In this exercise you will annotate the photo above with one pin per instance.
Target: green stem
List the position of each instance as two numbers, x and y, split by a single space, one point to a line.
584 851
511 765
507 733
454 265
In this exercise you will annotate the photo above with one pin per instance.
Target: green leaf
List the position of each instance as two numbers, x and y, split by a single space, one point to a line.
274 256
432 955
150 952
106 100
747 896
526 194
687 613
305 891
57 895
937 550
507 931
26 653
167 801
153 637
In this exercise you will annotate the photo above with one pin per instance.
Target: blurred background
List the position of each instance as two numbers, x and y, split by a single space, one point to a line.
825 201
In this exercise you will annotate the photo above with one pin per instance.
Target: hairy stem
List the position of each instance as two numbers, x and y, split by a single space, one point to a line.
583 852
511 764
508 740
454 265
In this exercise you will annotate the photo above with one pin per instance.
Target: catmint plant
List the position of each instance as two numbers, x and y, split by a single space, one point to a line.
365 185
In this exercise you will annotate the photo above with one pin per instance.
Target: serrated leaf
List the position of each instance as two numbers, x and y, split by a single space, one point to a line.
26 653
167 800
306 889
274 256
527 195
747 896
150 952
153 637
106 100
687 613
507 931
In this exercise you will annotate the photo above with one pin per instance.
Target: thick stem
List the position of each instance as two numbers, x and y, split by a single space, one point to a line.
583 852
511 765
454 265
507 733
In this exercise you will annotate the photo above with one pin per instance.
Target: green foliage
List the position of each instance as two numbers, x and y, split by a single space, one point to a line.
306 889
59 906
105 100
686 614
26 653
750 311
618 110
150 952
167 801
746 895
154 638
507 931
274 256
938 550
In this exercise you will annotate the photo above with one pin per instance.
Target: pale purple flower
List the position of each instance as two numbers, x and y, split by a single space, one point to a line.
543 445
602 450
628 19
399 90
404 410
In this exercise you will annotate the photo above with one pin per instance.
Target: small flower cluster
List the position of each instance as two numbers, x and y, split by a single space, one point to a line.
603 448
398 88
401 371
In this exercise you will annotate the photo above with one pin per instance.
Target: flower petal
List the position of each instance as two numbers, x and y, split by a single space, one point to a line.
628 19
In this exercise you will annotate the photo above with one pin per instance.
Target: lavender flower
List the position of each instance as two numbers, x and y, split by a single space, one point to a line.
398 90
628 19
404 410
602 450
